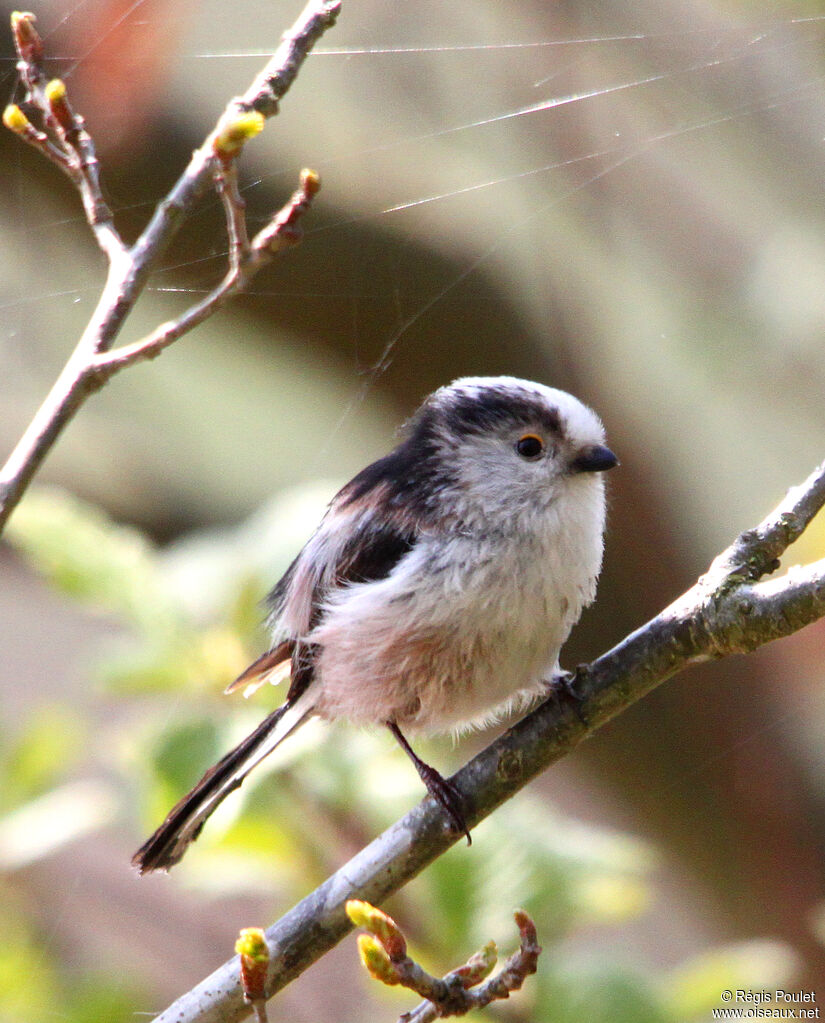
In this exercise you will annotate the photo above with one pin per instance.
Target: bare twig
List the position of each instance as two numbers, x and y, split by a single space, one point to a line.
70 146
226 182
728 610
247 259
384 954
64 140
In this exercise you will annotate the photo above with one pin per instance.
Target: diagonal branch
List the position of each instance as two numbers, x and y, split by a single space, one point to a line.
756 551
66 142
727 611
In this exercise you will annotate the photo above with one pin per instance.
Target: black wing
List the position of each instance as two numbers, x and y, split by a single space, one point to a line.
371 552
372 522
359 541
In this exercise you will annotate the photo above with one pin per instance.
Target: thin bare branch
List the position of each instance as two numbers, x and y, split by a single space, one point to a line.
283 230
383 951
755 552
15 120
721 614
226 183
462 998
66 142
263 95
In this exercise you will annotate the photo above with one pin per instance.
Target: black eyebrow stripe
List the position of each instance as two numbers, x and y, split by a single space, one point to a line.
476 414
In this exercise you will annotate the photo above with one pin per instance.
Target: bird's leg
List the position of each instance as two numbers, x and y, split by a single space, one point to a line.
443 792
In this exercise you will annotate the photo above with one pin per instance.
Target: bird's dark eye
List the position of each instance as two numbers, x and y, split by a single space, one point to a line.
530 446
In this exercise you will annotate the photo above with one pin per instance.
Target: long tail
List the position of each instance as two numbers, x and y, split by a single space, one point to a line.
185 821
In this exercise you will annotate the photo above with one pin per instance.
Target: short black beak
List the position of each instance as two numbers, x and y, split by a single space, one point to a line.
597 458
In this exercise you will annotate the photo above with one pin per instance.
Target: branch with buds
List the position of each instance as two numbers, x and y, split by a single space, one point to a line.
44 118
737 606
733 608
383 952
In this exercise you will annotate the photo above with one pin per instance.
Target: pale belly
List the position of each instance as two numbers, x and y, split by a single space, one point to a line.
446 649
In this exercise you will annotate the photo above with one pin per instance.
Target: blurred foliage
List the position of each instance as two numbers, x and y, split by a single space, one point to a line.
636 216
46 748
33 984
299 814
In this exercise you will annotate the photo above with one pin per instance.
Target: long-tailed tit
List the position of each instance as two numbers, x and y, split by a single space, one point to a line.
439 587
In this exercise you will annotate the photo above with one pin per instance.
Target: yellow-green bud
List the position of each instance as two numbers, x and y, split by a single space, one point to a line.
15 120
359 912
57 99
376 960
56 90
235 131
378 923
252 944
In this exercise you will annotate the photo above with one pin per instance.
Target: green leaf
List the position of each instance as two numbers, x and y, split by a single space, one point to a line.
182 751
598 992
49 745
82 552
100 997
28 986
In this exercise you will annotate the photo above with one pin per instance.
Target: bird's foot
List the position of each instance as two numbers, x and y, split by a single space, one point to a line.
566 685
448 798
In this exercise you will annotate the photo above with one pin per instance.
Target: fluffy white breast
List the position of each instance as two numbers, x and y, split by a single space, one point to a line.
465 625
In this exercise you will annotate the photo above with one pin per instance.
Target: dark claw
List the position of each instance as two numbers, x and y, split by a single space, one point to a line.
448 798
564 685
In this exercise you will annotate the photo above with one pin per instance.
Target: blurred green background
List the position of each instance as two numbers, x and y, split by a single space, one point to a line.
625 201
